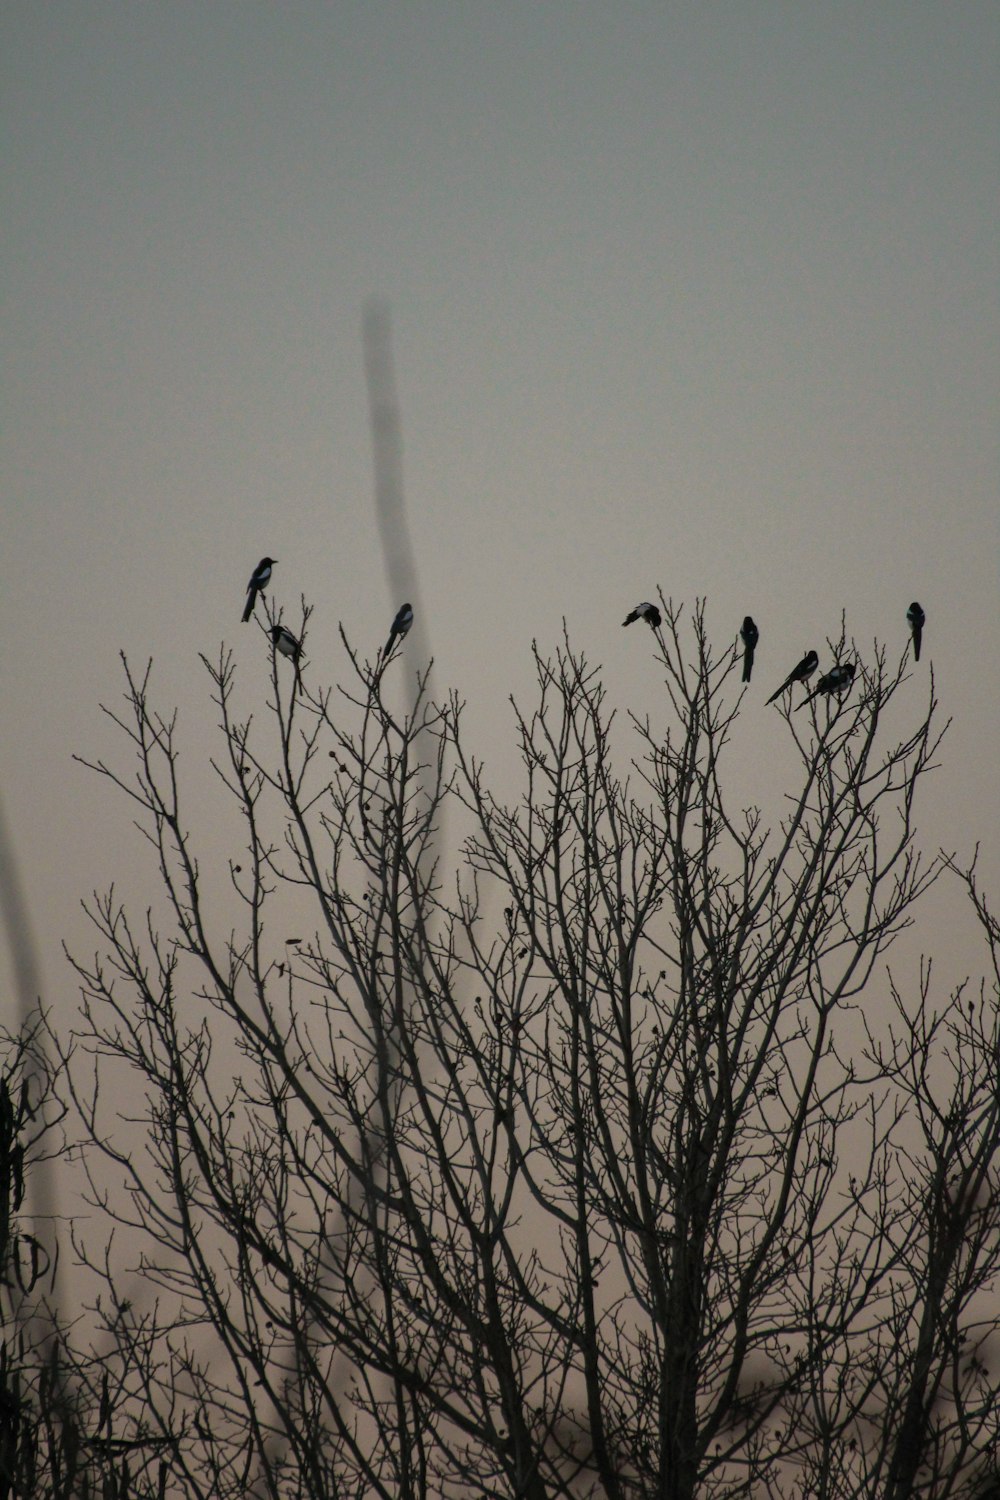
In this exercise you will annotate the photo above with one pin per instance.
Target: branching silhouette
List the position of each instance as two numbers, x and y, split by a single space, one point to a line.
652 1187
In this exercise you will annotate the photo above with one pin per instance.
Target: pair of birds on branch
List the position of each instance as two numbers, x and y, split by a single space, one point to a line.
284 640
837 680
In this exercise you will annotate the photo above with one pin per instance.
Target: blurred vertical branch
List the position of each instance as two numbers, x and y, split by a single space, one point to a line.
18 929
35 1070
387 453
39 1415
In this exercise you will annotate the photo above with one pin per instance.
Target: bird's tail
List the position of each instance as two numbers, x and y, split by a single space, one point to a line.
251 601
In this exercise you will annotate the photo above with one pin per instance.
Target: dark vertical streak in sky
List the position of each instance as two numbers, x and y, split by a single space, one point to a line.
390 506
41 1186
19 934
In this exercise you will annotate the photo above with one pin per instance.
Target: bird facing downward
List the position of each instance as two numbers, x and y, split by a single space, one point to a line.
917 620
647 612
749 635
258 579
286 643
837 680
803 669
400 625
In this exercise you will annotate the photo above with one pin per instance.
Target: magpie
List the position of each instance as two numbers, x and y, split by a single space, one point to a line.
749 635
916 617
803 669
837 680
647 612
400 625
286 643
258 578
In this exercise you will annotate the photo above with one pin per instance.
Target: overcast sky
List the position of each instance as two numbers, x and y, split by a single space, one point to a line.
698 296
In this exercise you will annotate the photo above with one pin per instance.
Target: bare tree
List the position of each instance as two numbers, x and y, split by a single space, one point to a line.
23 1264
50 1432
571 1163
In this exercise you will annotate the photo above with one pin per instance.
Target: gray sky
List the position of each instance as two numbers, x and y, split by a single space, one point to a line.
702 296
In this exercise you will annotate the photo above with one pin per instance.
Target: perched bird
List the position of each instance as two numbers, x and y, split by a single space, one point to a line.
749 635
258 578
837 680
805 668
286 643
647 612
916 617
400 625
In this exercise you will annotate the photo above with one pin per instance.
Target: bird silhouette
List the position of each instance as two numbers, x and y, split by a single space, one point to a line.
803 669
286 643
400 625
837 680
258 578
749 635
647 612
917 619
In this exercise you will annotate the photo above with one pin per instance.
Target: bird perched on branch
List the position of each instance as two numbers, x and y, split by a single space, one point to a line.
286 643
749 635
400 625
837 680
260 576
917 618
647 612
803 669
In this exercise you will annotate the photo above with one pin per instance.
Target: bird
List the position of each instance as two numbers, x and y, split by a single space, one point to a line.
803 669
400 625
258 578
647 612
286 643
837 680
749 635
916 617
